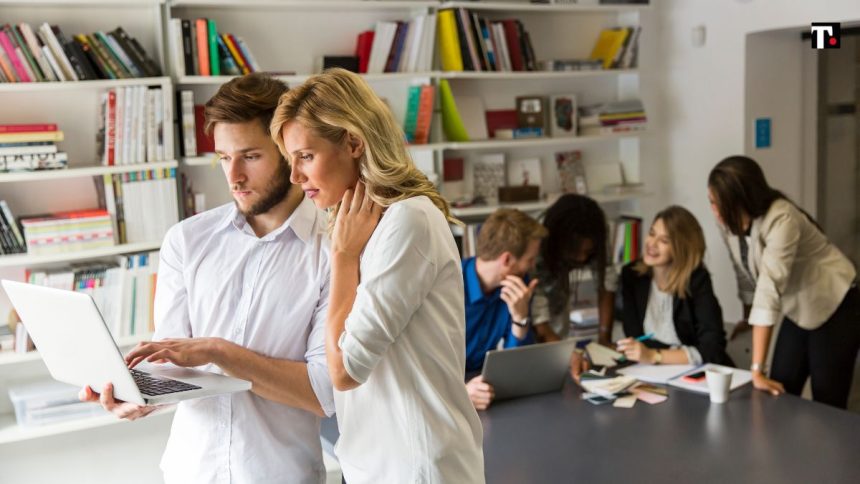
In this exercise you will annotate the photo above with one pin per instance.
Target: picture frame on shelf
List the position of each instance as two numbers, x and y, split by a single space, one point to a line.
488 176
563 116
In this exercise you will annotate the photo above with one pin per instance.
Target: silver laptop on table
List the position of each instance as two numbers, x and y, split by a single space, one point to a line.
528 370
77 348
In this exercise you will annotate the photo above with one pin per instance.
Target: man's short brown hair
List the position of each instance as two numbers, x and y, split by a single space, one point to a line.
508 230
243 99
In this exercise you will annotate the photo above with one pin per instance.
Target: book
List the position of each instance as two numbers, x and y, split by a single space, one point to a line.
609 42
214 58
362 50
204 142
488 176
18 137
449 43
425 114
563 115
187 132
202 32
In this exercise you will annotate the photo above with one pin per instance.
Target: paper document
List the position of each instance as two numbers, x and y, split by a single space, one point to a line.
601 355
655 373
739 379
607 386
625 402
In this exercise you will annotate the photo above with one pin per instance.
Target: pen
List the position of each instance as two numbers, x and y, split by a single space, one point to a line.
645 337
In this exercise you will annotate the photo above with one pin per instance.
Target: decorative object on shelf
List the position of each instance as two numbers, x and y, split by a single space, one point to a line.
452 169
602 174
452 123
47 55
531 115
489 175
29 147
563 115
519 193
571 172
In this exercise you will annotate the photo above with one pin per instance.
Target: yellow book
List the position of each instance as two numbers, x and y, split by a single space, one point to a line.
607 46
235 53
449 43
31 137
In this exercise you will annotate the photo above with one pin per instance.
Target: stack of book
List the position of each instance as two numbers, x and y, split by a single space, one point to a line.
25 147
48 55
626 240
131 127
402 46
142 204
11 238
618 48
419 114
468 42
48 402
123 289
612 117
68 232
199 50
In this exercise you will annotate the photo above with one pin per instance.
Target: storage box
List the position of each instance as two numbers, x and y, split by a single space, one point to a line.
526 193
47 402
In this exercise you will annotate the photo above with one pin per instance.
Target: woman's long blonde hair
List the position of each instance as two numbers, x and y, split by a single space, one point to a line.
688 248
338 103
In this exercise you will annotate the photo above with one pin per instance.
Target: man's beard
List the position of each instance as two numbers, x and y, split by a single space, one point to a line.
274 193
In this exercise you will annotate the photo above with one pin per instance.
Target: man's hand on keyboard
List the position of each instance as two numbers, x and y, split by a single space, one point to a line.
181 352
124 410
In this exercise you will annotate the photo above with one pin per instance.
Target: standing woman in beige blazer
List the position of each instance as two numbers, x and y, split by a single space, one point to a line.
787 268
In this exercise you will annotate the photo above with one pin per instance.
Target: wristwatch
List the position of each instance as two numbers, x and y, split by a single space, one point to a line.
522 324
759 367
658 357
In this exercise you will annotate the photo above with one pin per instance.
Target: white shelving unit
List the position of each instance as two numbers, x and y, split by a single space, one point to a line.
11 432
74 107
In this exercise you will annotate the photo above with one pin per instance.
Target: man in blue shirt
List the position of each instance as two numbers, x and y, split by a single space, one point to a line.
498 292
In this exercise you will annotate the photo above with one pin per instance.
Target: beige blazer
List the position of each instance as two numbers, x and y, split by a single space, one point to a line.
793 269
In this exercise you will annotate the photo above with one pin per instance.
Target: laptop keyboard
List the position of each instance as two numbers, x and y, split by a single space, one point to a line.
149 385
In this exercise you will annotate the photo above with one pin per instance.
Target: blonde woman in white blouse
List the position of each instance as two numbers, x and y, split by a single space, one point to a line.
787 269
395 337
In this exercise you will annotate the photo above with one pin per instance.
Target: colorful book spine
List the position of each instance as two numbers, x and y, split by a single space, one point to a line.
203 47
9 49
214 58
449 43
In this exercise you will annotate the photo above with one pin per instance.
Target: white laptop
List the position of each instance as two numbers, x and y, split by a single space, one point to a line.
77 348
528 370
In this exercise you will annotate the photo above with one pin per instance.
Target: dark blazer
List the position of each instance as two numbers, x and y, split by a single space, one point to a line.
698 318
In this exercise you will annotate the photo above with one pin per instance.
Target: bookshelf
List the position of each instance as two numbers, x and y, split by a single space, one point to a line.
9 358
509 7
83 172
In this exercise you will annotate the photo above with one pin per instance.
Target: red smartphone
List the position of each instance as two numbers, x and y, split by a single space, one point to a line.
694 377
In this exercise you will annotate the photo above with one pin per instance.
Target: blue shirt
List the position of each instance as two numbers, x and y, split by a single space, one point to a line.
487 320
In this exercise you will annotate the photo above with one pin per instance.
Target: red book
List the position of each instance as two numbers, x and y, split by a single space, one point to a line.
205 144
241 54
362 50
27 128
110 129
501 119
512 38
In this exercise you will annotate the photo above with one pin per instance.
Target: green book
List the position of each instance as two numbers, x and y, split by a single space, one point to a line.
411 120
452 123
214 58
628 240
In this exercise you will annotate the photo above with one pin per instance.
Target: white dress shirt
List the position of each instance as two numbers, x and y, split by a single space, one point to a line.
660 321
216 278
411 420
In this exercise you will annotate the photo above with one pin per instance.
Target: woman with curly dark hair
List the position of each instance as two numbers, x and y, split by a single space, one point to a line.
577 240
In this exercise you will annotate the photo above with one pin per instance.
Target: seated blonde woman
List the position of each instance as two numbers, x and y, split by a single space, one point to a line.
668 294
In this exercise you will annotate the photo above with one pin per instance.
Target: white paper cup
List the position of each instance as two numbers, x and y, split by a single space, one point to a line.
719 383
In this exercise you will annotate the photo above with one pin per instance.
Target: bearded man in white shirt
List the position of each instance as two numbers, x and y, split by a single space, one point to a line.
243 290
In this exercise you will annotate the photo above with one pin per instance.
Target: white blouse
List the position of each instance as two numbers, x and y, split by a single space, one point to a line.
660 321
411 420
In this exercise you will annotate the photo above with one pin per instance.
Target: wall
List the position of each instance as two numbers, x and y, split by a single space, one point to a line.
698 115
